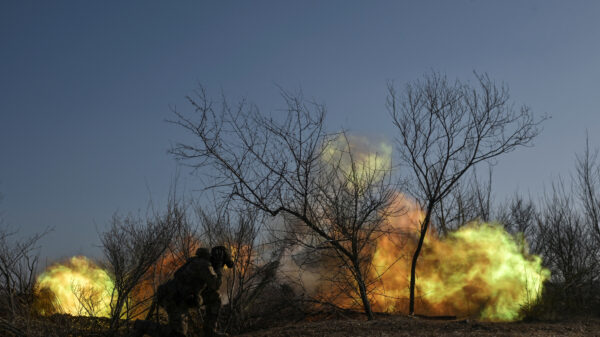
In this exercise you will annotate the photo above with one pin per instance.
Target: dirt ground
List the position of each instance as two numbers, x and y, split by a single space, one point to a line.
405 326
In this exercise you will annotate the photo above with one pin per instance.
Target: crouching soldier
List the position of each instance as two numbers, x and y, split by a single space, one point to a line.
200 275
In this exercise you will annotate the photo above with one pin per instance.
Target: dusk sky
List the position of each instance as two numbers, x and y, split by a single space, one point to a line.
86 86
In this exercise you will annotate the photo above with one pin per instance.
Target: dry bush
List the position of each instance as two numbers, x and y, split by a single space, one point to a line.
18 264
132 245
560 234
18 267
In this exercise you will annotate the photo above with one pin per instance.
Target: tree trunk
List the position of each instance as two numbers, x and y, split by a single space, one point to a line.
116 319
363 293
413 266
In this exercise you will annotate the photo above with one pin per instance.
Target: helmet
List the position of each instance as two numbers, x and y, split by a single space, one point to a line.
203 253
221 254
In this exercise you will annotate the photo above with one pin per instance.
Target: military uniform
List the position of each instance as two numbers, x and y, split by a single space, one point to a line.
180 293
201 274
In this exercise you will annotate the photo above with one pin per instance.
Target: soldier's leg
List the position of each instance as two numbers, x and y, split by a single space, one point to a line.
177 318
140 328
212 303
152 329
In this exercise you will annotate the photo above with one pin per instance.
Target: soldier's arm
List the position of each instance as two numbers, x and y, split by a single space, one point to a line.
212 279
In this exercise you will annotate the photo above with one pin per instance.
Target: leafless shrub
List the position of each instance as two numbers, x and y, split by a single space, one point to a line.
588 186
89 299
18 267
18 264
131 246
568 247
519 216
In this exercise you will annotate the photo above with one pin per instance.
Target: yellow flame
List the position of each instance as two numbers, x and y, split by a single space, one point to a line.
479 270
79 287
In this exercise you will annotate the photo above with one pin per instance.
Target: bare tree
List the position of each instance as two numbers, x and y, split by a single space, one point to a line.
588 181
89 299
467 202
186 239
131 246
18 263
19 258
446 128
355 197
519 215
279 167
567 244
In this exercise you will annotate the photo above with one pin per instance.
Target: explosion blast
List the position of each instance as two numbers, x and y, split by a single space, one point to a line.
76 287
479 270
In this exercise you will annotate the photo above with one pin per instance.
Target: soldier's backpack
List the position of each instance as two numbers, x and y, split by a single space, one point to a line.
184 272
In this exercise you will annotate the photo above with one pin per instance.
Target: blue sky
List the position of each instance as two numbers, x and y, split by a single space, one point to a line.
85 87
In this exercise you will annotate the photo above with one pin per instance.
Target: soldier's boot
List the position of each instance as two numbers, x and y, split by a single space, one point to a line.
139 328
214 333
210 325
174 333
219 334
153 329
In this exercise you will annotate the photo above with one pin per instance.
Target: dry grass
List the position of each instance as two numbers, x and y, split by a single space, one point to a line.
405 326
383 326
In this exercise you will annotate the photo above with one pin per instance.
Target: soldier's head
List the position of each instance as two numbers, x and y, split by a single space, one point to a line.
203 253
219 256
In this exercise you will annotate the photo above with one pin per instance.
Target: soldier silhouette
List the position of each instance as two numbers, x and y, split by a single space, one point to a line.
200 276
